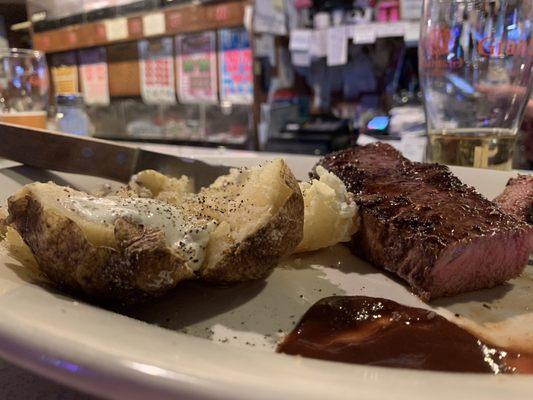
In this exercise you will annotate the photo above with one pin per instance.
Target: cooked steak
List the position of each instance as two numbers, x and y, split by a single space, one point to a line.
420 222
517 198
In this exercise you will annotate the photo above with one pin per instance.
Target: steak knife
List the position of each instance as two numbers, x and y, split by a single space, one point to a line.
88 156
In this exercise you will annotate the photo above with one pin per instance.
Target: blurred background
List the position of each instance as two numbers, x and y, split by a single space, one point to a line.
295 76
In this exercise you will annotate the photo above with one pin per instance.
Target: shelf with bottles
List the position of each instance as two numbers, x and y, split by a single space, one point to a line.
146 89
331 42
369 33
189 68
325 29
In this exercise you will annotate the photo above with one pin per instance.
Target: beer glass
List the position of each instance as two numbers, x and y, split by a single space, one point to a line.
23 87
475 60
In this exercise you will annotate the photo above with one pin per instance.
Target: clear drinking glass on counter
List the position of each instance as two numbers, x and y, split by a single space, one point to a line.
475 61
23 87
71 115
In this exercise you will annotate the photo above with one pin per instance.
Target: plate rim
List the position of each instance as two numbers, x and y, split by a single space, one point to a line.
115 378
18 345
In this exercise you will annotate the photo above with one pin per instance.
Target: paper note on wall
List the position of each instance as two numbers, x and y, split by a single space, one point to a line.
300 39
412 32
265 46
116 29
269 17
154 24
156 63
235 66
392 29
364 34
300 58
319 43
94 76
196 67
337 46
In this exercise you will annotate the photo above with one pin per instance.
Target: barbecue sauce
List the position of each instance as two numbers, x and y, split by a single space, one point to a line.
375 331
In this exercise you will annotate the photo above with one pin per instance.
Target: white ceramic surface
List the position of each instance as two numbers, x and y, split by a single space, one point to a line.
209 342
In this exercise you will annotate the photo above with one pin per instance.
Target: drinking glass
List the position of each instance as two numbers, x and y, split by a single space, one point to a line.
475 61
23 87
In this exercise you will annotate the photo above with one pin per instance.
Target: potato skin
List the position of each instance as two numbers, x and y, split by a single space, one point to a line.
3 221
257 255
128 263
130 273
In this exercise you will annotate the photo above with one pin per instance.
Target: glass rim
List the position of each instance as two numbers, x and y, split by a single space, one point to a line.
21 53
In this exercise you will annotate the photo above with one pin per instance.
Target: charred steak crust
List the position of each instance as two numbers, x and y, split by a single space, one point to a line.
420 222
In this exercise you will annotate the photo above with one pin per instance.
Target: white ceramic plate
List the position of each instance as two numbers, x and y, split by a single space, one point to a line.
205 342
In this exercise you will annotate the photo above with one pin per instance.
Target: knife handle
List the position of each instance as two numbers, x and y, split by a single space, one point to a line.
60 152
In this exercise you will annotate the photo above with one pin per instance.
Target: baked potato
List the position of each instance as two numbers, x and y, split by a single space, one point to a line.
331 215
129 246
153 184
108 258
3 221
259 213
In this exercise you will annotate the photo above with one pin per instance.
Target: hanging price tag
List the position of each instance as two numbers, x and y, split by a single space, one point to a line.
94 76
196 67
65 79
157 71
64 73
235 66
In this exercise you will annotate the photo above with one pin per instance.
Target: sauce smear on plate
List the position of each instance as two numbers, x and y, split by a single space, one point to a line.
375 331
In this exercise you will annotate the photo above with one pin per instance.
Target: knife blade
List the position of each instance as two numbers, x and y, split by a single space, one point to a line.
96 157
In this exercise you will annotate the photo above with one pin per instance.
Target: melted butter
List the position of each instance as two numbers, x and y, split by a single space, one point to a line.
185 234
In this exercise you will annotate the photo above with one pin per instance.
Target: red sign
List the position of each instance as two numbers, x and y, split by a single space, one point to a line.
71 37
100 32
174 19
135 27
221 13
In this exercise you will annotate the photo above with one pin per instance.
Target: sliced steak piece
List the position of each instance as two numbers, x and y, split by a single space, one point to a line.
517 198
420 222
